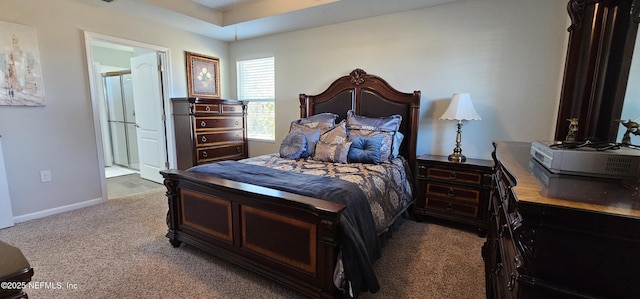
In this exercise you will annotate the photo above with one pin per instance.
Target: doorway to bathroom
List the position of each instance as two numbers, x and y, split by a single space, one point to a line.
129 87
121 150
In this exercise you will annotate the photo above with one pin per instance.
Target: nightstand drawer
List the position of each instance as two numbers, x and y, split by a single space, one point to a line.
454 175
453 192
452 207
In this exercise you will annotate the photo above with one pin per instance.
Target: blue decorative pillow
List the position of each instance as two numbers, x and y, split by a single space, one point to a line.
365 149
395 148
371 127
312 137
293 145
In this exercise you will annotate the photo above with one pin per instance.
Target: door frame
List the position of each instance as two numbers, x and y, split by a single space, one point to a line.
164 54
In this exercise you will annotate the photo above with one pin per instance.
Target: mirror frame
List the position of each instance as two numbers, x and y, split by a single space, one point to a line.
601 40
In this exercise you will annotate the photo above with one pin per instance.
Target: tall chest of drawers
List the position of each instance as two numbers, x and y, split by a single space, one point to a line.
209 130
456 192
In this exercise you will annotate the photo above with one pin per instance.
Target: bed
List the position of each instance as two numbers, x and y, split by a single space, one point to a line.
312 235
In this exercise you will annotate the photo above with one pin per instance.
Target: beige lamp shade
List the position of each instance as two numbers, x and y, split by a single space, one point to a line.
461 108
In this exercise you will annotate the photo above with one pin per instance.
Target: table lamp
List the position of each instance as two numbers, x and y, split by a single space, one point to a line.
460 109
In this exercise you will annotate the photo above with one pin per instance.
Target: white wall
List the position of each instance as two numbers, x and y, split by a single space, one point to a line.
508 54
60 136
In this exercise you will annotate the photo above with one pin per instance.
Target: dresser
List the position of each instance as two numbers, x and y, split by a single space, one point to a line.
553 236
452 191
209 130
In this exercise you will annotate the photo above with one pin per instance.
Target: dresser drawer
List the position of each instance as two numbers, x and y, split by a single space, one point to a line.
452 207
231 109
206 108
453 192
507 278
208 154
218 123
452 175
212 138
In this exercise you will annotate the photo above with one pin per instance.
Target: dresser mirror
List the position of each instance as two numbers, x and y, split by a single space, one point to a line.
602 37
631 107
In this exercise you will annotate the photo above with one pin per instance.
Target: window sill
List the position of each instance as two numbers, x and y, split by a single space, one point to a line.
261 140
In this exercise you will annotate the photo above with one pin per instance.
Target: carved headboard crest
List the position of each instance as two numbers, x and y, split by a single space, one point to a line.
357 76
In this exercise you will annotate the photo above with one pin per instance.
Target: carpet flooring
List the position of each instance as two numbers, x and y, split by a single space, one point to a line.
118 250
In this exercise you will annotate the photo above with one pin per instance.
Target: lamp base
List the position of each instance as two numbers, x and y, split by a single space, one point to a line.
457 157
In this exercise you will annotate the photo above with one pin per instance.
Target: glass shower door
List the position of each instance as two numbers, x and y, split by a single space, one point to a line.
121 119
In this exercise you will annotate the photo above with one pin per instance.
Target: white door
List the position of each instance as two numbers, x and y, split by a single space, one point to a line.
149 113
6 213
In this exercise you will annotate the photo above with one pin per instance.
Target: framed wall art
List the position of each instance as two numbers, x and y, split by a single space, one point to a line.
20 70
203 76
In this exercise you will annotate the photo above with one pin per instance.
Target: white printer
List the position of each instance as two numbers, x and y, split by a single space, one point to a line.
615 162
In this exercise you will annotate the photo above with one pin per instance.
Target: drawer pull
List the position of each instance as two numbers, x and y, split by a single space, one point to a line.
204 154
204 138
512 282
451 192
502 229
498 269
422 170
232 108
237 136
452 176
450 207
208 108
238 149
237 122
203 124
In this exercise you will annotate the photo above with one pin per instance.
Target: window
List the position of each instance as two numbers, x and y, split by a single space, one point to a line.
256 84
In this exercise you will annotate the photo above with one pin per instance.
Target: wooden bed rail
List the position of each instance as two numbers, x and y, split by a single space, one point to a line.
286 237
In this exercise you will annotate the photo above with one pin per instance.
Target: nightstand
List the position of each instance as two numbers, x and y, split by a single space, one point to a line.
457 192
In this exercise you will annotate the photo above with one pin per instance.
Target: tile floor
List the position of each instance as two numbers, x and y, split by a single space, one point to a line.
124 185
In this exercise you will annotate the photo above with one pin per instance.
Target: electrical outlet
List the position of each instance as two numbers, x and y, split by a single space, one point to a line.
45 176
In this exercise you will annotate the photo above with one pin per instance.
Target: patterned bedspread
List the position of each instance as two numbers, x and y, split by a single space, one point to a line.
386 185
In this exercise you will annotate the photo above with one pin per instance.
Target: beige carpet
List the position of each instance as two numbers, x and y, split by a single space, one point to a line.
118 250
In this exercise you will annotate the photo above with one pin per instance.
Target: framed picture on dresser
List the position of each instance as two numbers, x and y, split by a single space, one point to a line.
203 76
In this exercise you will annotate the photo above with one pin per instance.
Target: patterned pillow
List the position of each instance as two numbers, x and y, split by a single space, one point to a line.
383 124
335 135
322 121
332 152
365 149
293 145
333 145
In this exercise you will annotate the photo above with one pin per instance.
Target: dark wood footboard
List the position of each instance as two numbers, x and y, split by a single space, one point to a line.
289 238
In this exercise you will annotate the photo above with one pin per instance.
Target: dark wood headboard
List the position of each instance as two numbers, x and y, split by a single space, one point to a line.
370 96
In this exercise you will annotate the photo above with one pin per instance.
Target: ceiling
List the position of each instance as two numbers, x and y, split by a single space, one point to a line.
230 20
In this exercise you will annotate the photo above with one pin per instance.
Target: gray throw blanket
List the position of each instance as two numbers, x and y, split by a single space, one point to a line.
359 243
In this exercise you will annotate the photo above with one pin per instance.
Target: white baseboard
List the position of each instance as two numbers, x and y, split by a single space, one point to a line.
57 210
